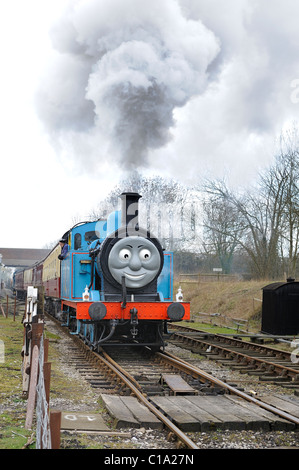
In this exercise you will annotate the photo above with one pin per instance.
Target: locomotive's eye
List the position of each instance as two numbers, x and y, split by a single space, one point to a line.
144 254
125 254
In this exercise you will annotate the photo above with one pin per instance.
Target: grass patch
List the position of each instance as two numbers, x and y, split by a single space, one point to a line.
235 299
12 434
231 299
11 337
12 406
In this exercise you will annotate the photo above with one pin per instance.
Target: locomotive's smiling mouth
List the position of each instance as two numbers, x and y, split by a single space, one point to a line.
135 277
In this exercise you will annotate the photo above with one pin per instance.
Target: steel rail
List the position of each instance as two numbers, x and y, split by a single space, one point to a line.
229 388
230 339
128 380
280 368
193 370
131 383
182 365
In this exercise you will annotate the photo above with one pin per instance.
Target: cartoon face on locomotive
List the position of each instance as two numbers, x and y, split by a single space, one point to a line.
130 258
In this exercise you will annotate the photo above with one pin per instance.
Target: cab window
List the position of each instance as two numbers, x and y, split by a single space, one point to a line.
77 241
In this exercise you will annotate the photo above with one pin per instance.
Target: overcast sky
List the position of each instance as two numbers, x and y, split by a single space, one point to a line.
92 89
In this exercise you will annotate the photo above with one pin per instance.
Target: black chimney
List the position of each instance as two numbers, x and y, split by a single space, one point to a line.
129 211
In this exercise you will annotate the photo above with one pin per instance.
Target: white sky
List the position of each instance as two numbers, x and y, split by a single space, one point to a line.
38 202
231 125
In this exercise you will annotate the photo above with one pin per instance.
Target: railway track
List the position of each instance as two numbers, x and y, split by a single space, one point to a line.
104 374
143 374
270 364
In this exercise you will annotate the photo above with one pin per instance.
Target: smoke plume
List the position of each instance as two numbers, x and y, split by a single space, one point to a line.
120 69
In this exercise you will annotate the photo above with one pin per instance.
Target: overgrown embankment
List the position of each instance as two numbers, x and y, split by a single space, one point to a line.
236 299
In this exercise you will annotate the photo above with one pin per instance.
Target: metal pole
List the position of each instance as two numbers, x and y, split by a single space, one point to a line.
55 426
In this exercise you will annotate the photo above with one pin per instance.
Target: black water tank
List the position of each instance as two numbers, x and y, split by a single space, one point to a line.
280 313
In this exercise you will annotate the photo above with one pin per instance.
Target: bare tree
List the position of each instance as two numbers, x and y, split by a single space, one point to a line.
256 225
222 230
286 170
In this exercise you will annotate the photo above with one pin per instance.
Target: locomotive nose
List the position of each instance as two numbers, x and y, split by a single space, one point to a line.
135 263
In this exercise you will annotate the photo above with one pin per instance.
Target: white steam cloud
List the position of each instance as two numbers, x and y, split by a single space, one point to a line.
120 70
178 86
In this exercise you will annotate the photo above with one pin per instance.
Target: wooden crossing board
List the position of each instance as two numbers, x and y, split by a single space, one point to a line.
129 412
286 403
219 412
201 413
177 384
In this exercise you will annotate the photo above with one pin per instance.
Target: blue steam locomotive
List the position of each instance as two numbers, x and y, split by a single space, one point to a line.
113 284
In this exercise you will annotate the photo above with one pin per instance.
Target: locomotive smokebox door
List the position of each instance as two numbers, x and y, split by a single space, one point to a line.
280 313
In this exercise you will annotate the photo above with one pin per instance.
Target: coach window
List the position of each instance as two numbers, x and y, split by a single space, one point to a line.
77 241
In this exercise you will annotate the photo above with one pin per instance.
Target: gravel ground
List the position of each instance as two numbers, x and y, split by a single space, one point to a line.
133 438
66 400
247 440
151 439
251 385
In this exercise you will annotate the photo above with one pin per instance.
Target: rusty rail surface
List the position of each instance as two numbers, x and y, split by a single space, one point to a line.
185 367
229 388
104 359
227 350
131 383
